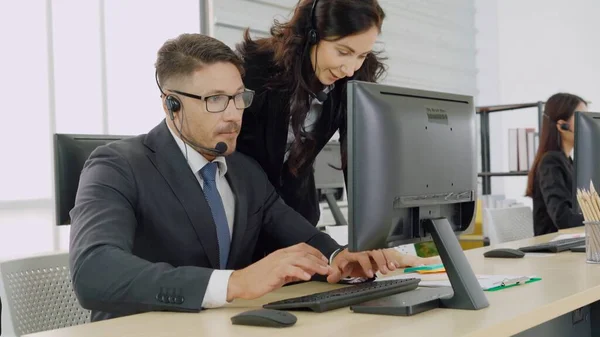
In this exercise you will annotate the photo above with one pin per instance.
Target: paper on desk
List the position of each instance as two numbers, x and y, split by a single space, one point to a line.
568 236
441 280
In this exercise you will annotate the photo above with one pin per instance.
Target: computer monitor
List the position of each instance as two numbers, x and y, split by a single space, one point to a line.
70 153
586 151
412 175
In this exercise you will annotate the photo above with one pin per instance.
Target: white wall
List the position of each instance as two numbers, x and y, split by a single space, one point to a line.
527 51
430 44
87 67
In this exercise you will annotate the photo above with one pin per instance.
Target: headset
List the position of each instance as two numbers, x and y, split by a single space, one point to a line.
564 126
312 35
312 38
174 105
172 102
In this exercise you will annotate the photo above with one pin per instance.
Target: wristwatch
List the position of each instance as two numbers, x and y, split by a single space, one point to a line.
335 253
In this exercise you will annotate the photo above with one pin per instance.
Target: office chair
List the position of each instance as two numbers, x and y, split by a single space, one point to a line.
70 154
38 295
508 224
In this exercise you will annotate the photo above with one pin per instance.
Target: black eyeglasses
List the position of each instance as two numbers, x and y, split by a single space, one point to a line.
218 103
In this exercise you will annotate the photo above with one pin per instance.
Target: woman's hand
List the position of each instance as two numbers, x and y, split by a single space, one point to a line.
403 260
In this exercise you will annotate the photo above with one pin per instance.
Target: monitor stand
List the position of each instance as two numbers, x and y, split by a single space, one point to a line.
467 295
467 291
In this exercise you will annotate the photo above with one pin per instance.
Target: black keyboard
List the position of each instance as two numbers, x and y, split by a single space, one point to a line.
344 297
554 246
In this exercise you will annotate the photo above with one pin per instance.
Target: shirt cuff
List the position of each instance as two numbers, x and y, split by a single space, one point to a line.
216 291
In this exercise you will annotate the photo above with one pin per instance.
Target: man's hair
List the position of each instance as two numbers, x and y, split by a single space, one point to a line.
187 53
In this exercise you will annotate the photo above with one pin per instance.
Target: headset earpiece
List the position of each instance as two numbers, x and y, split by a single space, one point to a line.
173 105
312 35
565 126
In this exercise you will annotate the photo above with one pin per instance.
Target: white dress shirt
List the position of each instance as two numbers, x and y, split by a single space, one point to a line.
216 291
314 112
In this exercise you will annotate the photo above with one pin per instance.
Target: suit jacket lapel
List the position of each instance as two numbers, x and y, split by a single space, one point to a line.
241 213
169 161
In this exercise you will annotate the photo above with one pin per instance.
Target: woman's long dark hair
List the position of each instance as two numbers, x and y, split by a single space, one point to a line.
560 106
334 19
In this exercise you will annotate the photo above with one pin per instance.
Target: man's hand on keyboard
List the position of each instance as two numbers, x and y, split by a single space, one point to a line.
362 264
295 263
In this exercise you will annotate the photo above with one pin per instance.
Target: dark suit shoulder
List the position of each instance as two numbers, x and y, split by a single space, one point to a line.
249 164
554 156
553 159
127 148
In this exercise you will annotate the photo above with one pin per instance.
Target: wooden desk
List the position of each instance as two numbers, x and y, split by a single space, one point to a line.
568 283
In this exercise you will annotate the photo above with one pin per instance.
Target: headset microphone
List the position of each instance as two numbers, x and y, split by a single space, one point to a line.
219 149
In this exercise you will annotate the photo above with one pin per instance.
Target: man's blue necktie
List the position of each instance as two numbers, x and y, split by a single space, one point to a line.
208 173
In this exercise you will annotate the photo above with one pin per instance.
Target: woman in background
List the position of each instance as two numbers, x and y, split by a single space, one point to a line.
550 182
300 74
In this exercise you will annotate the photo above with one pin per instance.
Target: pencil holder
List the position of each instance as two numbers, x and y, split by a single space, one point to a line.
592 241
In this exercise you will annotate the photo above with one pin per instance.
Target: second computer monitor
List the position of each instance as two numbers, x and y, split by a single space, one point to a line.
587 150
411 157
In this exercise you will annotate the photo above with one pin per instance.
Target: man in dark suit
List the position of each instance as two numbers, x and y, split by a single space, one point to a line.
170 220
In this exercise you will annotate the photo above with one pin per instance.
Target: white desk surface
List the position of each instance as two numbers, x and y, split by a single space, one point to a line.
568 283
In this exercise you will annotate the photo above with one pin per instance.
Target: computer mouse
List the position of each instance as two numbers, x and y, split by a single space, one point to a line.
504 253
265 317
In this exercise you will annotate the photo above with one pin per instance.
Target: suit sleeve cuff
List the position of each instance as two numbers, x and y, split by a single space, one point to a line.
216 291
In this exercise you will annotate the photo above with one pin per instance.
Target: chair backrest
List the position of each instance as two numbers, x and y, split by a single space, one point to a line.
508 224
70 154
37 295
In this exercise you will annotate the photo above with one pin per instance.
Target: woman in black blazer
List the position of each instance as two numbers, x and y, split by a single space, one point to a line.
550 182
300 74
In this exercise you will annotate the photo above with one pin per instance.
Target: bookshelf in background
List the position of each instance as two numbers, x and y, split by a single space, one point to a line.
484 114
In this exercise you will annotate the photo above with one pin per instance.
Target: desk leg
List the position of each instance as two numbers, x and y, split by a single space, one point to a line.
579 323
595 319
335 209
